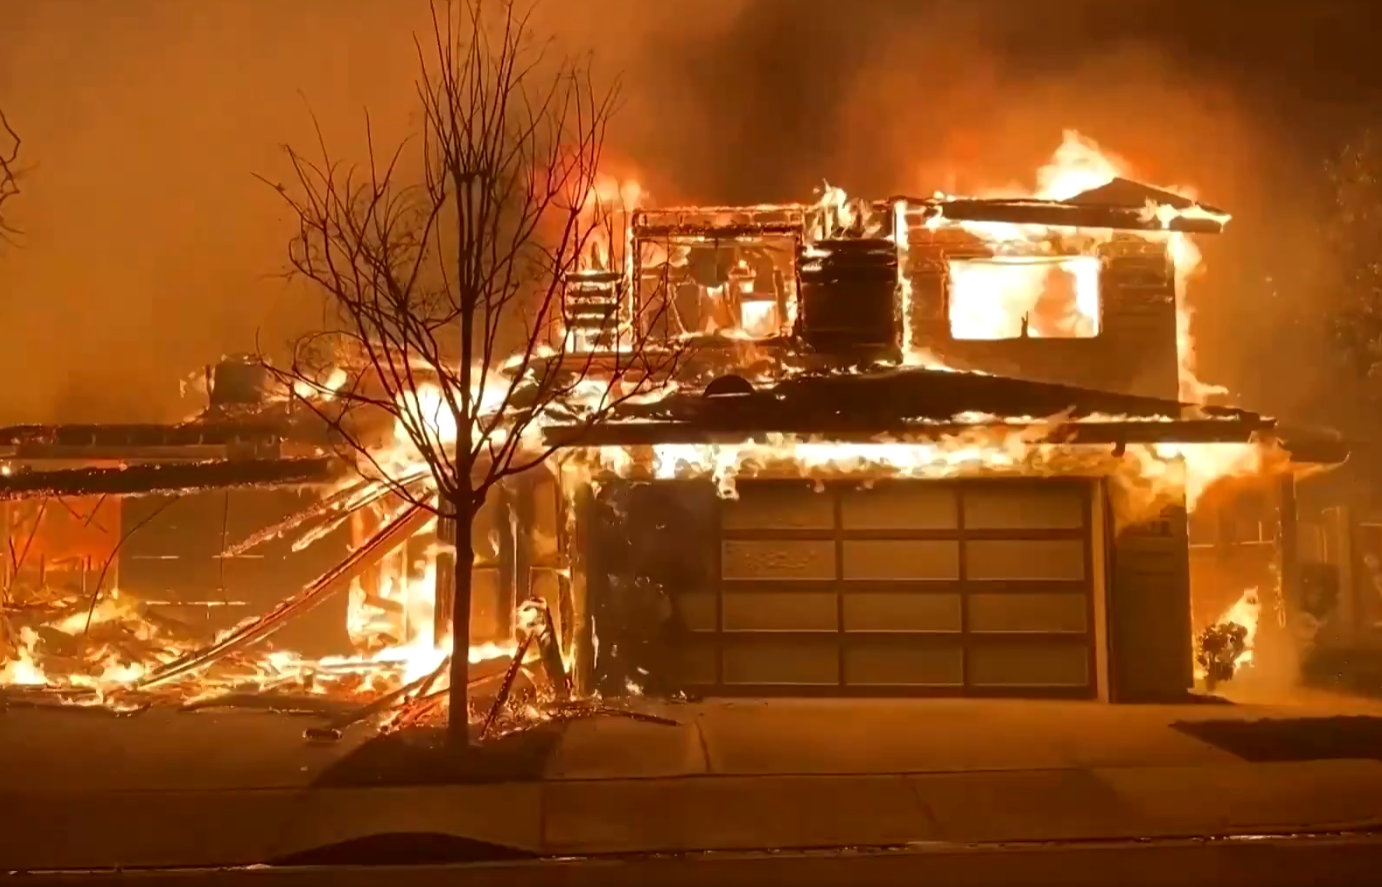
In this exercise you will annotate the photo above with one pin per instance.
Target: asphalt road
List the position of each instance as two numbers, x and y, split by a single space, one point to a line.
1319 861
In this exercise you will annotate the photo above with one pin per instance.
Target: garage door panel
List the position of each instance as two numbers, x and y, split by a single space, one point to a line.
795 661
901 559
767 505
976 586
1028 613
905 664
696 661
912 610
780 611
697 610
777 559
894 505
1040 559
1042 506
1044 664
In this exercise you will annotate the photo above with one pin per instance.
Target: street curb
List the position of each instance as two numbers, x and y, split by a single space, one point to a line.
696 814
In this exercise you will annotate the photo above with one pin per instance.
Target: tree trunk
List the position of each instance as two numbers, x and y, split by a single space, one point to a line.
458 722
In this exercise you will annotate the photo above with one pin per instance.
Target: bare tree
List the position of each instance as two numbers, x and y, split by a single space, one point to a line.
449 284
1352 233
9 172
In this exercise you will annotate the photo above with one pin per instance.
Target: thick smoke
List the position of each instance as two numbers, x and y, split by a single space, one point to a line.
150 249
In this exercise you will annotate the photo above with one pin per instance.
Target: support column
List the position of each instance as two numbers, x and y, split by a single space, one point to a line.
1286 611
508 573
583 629
1339 531
1288 540
445 579
522 523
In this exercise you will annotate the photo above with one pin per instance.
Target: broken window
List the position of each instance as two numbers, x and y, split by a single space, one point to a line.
1016 297
738 288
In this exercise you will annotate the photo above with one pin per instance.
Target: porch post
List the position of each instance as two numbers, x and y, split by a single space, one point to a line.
1288 550
583 632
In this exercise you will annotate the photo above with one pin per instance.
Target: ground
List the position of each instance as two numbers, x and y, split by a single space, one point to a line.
160 788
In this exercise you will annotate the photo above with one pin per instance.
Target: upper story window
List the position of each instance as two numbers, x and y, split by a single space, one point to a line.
742 289
1016 297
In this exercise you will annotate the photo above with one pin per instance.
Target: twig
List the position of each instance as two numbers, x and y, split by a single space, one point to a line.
24 554
95 510
110 559
9 173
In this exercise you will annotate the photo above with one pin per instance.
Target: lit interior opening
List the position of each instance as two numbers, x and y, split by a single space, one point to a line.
1013 297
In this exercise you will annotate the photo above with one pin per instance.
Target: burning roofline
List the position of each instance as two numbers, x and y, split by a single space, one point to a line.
1085 210
1304 450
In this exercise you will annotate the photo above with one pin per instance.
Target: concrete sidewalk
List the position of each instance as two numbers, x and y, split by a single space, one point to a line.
86 791
135 829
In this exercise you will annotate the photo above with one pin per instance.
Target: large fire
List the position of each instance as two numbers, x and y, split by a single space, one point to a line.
994 300
393 622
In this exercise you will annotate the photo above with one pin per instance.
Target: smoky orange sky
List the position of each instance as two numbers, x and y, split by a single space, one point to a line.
150 249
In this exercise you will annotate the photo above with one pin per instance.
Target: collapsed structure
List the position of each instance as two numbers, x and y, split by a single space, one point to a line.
919 446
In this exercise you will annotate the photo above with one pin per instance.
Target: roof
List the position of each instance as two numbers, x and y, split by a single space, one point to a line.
921 402
1125 192
1120 204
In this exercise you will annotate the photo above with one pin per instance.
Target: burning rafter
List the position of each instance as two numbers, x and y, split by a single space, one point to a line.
25 483
329 583
1073 214
190 440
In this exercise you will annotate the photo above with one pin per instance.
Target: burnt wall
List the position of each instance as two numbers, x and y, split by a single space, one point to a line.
649 543
1134 352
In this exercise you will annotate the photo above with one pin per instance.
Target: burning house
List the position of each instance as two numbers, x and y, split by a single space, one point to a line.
935 445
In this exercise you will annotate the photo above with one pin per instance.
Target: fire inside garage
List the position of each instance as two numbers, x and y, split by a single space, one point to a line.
939 445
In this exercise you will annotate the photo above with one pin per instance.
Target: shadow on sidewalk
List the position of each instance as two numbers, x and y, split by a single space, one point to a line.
1292 739
421 757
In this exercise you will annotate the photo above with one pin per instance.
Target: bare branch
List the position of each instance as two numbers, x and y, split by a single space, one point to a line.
10 143
448 264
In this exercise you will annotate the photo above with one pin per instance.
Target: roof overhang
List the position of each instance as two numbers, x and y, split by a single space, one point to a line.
914 404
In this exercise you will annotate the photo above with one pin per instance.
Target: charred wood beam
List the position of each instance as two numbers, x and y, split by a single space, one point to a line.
210 433
716 232
1112 433
1051 213
374 550
1319 451
166 478
331 511
35 453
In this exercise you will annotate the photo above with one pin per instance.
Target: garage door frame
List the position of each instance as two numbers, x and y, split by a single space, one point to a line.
968 639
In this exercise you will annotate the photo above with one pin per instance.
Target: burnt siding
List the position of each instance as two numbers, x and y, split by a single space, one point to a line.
649 544
1149 611
1134 352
